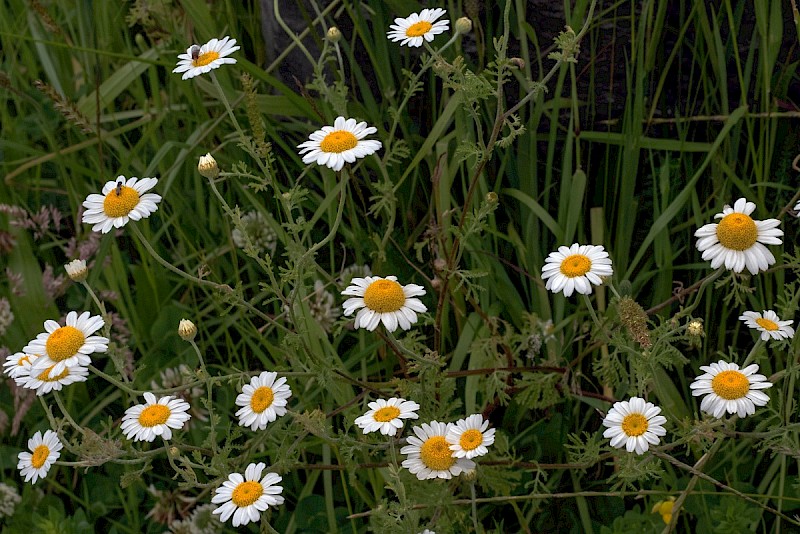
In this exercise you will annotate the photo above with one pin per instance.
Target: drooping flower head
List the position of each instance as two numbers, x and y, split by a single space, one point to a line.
738 240
729 389
769 324
245 497
202 59
387 415
44 451
18 366
157 417
383 300
344 142
121 201
576 268
418 27
68 345
263 400
635 424
429 454
470 437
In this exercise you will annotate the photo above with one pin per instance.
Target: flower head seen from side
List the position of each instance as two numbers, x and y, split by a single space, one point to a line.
46 381
386 415
77 270
470 437
738 240
120 201
157 417
202 59
263 400
797 209
418 27
44 451
383 300
245 497
769 324
17 366
730 389
576 268
68 345
429 454
344 142
634 423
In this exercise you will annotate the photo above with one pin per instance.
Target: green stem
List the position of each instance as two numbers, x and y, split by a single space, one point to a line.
758 344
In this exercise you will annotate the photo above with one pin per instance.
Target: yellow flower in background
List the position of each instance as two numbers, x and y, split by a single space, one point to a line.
665 509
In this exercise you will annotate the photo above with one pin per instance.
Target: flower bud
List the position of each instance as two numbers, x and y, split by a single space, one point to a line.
491 197
463 25
333 35
439 264
77 270
695 328
208 166
187 330
518 62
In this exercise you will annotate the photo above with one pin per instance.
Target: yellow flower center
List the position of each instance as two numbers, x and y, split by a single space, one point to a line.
338 141
730 385
418 29
39 456
435 453
120 205
204 59
766 324
471 439
44 376
737 231
262 399
384 296
634 424
387 413
575 265
25 359
247 493
156 414
64 343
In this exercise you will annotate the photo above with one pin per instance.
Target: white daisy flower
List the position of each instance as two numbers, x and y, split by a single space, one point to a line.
469 437
383 300
201 59
387 415
144 422
77 270
244 497
429 454
332 146
69 345
263 400
797 208
727 388
769 324
426 531
44 451
18 366
46 381
121 201
418 27
635 424
737 241
575 268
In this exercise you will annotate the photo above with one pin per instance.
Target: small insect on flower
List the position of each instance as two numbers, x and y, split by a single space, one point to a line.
118 190
202 59
194 51
120 201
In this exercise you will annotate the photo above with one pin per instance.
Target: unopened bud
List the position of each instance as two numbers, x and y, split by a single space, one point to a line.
491 197
208 166
334 35
187 330
463 25
436 283
469 475
695 328
174 451
77 270
439 264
